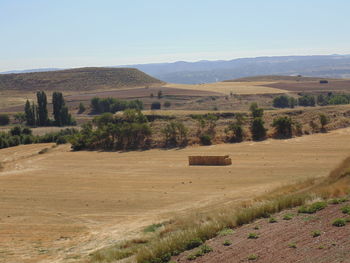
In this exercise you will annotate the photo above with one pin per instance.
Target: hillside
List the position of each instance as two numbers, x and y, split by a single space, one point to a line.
79 79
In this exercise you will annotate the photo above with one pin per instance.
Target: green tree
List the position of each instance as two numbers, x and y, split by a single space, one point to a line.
324 121
257 129
30 114
19 117
4 119
175 134
81 108
283 126
61 114
256 111
281 102
155 105
234 132
43 118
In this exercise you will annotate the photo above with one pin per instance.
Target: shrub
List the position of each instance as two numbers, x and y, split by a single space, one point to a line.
226 232
206 249
205 139
316 233
155 105
281 102
167 104
256 111
175 133
81 108
313 208
339 222
288 217
272 220
193 243
253 236
283 126
61 140
17 130
292 245
27 131
346 209
252 257
324 121
307 100
234 132
152 228
4 119
227 243
257 129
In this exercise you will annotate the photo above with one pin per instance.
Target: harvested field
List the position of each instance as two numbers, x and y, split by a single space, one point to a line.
312 86
58 205
237 88
286 241
141 93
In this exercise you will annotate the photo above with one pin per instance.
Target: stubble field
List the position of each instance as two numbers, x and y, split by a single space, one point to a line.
59 205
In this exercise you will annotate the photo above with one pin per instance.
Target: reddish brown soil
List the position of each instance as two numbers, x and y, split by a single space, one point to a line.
313 86
273 244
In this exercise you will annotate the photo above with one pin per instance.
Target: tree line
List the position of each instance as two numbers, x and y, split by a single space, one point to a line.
112 105
305 100
19 135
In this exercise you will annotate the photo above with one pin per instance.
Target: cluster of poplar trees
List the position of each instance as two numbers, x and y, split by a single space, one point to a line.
37 114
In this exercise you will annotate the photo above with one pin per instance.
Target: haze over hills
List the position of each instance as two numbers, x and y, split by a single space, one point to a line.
204 71
329 66
78 79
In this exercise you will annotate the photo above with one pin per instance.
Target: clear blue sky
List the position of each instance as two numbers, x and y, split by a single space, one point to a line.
73 33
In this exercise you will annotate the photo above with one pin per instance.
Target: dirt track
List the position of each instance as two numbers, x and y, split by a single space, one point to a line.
57 205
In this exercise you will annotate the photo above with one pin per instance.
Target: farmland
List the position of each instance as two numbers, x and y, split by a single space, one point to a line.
68 206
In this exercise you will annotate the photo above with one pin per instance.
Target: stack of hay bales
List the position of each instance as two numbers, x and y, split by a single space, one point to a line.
209 160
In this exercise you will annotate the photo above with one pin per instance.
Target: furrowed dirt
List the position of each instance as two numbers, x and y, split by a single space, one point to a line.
286 241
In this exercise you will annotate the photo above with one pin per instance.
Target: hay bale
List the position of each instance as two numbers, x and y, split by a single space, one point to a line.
209 160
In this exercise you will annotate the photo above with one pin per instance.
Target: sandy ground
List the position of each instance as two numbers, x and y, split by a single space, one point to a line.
237 88
274 241
60 204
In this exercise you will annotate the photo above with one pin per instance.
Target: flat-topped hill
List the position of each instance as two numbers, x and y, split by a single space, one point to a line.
78 79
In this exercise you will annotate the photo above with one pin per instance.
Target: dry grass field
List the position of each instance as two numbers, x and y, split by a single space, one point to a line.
59 205
238 88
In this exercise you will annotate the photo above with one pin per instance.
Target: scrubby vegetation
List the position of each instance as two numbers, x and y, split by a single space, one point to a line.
283 127
19 135
175 134
108 132
112 105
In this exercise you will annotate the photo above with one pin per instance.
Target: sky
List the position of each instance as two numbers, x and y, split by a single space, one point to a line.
77 33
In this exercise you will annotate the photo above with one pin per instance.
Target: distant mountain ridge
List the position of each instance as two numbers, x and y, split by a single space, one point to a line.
79 79
204 71
328 66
